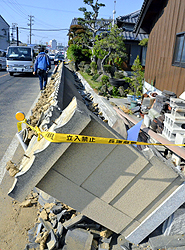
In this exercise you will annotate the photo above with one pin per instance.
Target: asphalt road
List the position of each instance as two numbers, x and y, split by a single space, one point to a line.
17 93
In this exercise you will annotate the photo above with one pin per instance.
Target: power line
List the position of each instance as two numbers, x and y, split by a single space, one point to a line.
6 2
19 7
43 8
42 29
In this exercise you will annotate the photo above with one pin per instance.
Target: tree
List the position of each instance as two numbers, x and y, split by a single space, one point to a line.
91 22
77 54
137 77
110 46
144 42
75 34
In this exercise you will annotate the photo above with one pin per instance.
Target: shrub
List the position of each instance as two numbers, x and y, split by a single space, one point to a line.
82 65
119 74
144 42
105 79
115 91
93 66
127 79
95 77
87 69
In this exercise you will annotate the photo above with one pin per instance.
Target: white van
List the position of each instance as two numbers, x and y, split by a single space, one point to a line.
2 59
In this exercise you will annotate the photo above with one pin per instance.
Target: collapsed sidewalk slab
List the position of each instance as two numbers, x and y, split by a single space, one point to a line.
114 185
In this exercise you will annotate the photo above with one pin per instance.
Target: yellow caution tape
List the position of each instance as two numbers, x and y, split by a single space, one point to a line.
73 138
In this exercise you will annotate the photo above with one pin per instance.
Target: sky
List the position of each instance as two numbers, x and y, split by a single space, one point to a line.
53 18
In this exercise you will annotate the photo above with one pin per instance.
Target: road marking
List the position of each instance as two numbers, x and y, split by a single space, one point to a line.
4 75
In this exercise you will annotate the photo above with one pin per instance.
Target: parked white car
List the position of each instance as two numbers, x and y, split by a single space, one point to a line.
51 57
2 59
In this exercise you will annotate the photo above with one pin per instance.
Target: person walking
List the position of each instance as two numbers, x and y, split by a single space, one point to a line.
41 67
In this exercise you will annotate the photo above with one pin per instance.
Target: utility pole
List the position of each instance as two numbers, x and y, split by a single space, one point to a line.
17 36
14 26
30 25
114 12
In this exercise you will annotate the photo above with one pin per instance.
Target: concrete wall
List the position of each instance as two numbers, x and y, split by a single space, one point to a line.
115 185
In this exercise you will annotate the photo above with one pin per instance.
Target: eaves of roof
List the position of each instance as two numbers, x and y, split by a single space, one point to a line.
4 20
150 11
128 19
143 11
130 36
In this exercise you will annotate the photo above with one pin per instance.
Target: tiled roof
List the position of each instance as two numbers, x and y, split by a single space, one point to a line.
128 35
130 18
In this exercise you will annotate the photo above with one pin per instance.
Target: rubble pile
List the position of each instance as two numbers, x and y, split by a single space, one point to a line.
46 101
164 114
59 226
154 107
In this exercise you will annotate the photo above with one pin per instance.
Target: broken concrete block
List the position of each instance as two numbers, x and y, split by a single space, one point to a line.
39 227
118 242
32 233
12 168
104 243
75 220
13 172
34 246
59 229
48 206
41 239
54 223
78 239
175 224
106 233
57 209
43 215
52 216
61 214
26 203
10 164
51 241
167 242
47 225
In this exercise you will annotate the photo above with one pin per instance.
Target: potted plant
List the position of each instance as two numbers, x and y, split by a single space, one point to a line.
118 80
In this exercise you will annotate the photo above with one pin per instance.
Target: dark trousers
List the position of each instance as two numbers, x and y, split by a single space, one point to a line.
43 79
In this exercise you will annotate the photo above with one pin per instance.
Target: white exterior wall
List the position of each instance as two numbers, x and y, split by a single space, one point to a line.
4 34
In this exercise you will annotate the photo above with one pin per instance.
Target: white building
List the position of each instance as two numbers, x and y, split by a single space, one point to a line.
4 34
53 44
